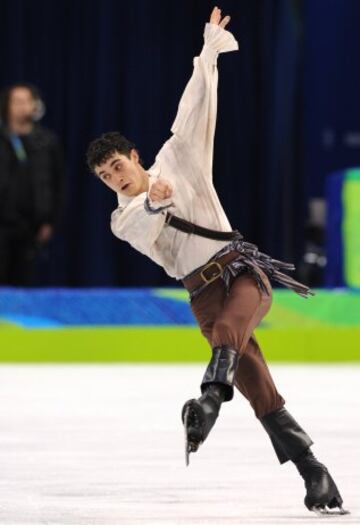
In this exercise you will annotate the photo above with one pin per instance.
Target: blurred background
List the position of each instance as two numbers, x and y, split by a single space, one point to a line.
287 144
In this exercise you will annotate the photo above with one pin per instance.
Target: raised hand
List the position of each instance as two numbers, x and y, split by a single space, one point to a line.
160 189
215 18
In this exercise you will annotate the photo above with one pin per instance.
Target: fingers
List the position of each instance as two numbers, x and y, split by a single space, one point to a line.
224 21
162 185
160 190
215 18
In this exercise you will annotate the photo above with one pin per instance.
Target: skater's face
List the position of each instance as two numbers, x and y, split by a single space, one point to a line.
124 175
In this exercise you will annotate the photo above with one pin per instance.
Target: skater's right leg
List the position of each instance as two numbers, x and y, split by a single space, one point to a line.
199 415
227 321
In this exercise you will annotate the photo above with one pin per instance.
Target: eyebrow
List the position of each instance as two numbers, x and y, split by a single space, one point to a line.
111 165
114 161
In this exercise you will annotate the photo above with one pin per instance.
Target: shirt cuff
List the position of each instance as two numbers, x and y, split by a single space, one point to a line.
217 40
156 206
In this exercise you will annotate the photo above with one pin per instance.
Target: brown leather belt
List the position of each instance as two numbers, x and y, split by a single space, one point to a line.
190 227
209 272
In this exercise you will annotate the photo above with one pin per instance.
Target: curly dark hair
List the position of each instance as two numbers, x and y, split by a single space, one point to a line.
101 149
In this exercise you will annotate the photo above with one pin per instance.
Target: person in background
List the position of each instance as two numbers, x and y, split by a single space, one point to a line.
31 183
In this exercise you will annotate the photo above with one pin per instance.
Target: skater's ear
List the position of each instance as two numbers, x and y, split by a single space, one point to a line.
135 156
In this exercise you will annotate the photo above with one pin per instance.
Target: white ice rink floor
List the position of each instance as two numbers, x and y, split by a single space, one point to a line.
103 444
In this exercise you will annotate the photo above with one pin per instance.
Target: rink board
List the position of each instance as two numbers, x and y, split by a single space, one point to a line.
156 325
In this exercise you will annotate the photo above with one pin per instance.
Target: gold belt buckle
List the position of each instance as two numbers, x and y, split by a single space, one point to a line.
213 277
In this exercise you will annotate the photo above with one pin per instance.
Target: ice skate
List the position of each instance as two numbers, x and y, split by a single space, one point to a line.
322 494
199 416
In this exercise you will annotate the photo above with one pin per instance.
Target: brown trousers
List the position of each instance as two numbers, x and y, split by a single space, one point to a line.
231 320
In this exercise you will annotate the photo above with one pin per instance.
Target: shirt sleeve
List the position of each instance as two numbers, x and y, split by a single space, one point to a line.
195 120
133 224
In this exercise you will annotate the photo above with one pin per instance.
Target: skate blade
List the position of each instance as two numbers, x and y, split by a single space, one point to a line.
190 446
187 443
329 512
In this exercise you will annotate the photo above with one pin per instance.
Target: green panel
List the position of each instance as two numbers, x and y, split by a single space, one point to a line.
309 345
327 308
353 174
170 344
351 227
103 344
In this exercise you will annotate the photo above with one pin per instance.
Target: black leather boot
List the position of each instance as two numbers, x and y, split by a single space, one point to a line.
199 415
291 442
288 438
321 491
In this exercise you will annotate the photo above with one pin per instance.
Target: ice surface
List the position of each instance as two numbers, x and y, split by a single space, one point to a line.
103 444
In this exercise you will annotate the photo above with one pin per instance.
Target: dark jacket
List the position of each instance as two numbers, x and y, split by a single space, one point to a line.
32 181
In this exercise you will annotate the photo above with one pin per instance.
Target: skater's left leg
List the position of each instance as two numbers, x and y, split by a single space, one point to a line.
289 439
321 490
255 383
292 443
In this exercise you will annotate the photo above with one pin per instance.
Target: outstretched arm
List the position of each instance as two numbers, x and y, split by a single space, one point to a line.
195 121
193 129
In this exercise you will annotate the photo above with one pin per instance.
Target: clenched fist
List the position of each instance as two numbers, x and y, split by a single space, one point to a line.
160 189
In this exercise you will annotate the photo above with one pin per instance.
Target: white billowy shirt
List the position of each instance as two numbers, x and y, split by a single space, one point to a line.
185 160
